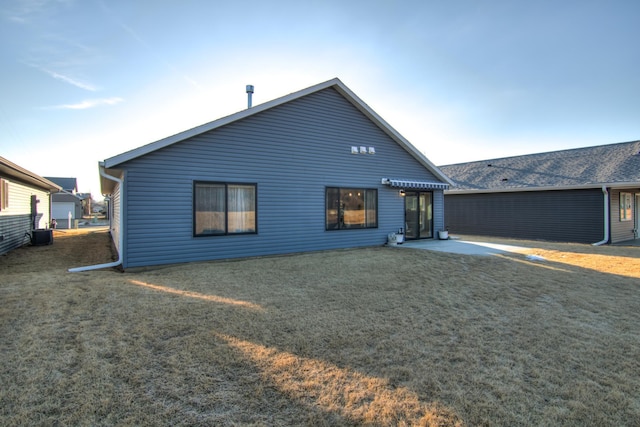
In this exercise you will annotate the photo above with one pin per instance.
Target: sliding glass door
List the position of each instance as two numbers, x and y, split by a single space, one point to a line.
418 214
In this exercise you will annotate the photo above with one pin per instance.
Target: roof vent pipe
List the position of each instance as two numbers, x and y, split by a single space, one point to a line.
249 94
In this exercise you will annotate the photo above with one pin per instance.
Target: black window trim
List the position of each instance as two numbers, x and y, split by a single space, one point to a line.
226 212
339 188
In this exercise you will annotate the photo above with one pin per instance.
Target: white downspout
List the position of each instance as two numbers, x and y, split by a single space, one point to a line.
606 218
120 238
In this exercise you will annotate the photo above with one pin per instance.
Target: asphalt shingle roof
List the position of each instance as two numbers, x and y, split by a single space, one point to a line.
580 167
68 184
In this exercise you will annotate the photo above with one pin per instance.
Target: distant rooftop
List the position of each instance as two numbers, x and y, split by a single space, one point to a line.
67 184
588 167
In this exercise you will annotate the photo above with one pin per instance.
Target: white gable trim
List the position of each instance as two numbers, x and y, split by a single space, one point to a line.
335 83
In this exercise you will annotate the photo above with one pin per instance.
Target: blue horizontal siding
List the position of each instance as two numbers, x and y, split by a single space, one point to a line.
14 230
292 152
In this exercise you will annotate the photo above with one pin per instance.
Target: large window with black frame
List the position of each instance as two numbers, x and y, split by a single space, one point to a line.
224 208
351 208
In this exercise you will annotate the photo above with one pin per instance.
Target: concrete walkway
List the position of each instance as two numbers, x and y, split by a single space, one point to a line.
459 246
475 247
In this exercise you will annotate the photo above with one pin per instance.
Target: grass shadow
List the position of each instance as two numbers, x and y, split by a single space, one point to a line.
497 340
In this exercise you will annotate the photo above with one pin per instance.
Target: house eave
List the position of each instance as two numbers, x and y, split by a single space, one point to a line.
11 170
146 149
107 186
391 132
335 83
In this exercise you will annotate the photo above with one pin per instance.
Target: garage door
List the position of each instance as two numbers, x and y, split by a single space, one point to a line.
60 210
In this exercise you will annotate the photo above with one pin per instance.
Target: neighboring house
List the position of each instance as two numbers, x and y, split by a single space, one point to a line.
25 204
586 195
317 169
68 200
87 208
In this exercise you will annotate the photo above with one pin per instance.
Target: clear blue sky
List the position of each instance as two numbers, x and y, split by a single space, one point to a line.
84 80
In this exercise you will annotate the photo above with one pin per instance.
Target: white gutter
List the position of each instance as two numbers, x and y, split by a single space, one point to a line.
121 237
606 218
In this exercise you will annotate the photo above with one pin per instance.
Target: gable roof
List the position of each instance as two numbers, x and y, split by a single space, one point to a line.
65 196
67 184
335 83
613 165
10 169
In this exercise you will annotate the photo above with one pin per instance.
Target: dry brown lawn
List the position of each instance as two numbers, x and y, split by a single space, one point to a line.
376 336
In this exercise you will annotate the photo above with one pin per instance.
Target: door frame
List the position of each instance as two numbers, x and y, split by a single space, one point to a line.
417 194
636 216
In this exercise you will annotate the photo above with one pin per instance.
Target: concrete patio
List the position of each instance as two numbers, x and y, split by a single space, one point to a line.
477 247
461 246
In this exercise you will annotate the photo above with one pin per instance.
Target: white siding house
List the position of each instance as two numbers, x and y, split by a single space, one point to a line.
25 204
